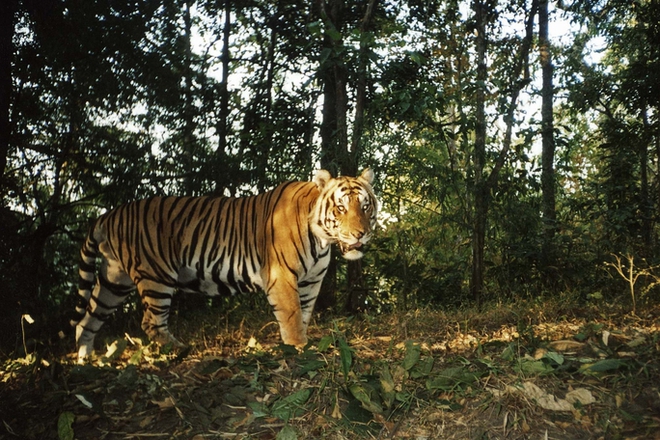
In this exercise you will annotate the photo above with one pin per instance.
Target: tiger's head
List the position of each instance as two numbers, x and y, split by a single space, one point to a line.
345 212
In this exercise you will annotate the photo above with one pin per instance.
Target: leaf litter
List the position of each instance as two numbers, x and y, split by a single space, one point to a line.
422 375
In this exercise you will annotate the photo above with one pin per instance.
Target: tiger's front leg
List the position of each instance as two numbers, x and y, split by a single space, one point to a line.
283 297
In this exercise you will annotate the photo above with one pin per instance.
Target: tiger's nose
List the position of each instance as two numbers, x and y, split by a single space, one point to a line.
358 234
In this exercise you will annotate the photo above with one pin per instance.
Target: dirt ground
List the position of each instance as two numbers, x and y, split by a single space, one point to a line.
523 372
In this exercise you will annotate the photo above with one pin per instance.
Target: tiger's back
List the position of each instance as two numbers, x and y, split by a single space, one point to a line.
212 245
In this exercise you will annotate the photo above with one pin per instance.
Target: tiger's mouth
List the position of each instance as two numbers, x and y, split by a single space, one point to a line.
350 251
344 247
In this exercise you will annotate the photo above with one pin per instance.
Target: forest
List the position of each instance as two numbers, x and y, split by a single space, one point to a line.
516 149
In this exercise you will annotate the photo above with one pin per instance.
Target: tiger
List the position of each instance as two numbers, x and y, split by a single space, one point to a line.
277 242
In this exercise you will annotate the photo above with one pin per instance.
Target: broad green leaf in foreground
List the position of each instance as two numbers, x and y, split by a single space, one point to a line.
603 365
387 386
364 393
451 378
554 357
287 433
291 406
530 366
413 352
65 426
346 357
324 343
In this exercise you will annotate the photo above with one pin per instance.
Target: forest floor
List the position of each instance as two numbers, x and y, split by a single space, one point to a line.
530 370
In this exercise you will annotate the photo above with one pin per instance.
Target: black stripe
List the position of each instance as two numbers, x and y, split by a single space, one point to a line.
156 295
117 289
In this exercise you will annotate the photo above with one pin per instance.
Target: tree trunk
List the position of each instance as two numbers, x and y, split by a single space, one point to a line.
221 182
331 82
484 186
480 191
356 289
336 156
548 141
188 135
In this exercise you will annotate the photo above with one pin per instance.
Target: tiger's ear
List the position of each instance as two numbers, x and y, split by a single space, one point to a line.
321 178
367 175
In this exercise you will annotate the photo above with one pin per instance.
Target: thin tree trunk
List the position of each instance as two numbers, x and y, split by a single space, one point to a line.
331 81
188 140
548 139
354 279
480 191
647 221
221 182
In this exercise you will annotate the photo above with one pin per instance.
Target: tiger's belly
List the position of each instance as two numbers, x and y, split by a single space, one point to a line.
216 281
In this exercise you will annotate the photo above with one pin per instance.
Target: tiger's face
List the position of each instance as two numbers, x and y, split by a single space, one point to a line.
345 212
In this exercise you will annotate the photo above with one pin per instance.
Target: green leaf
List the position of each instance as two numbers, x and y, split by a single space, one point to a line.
603 365
324 343
291 406
310 365
413 352
333 33
346 356
555 357
258 409
136 358
115 350
534 367
387 386
451 378
364 393
65 426
287 433
508 354
423 368
355 412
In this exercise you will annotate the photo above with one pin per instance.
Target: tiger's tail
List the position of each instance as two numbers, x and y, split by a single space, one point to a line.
86 275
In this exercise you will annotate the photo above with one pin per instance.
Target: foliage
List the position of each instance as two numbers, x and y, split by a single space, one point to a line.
515 377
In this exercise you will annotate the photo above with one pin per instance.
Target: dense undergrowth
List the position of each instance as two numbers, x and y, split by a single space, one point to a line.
540 369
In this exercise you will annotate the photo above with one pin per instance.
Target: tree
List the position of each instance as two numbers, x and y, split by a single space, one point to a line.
547 135
483 186
338 155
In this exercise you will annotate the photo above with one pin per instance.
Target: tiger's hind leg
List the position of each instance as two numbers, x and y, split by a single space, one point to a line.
111 288
156 301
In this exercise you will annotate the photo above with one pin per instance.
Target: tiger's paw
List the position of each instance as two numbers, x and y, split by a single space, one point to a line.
165 339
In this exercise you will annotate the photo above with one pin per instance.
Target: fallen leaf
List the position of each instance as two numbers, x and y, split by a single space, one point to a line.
539 353
581 395
336 412
566 345
543 399
85 401
146 421
626 354
166 403
606 337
